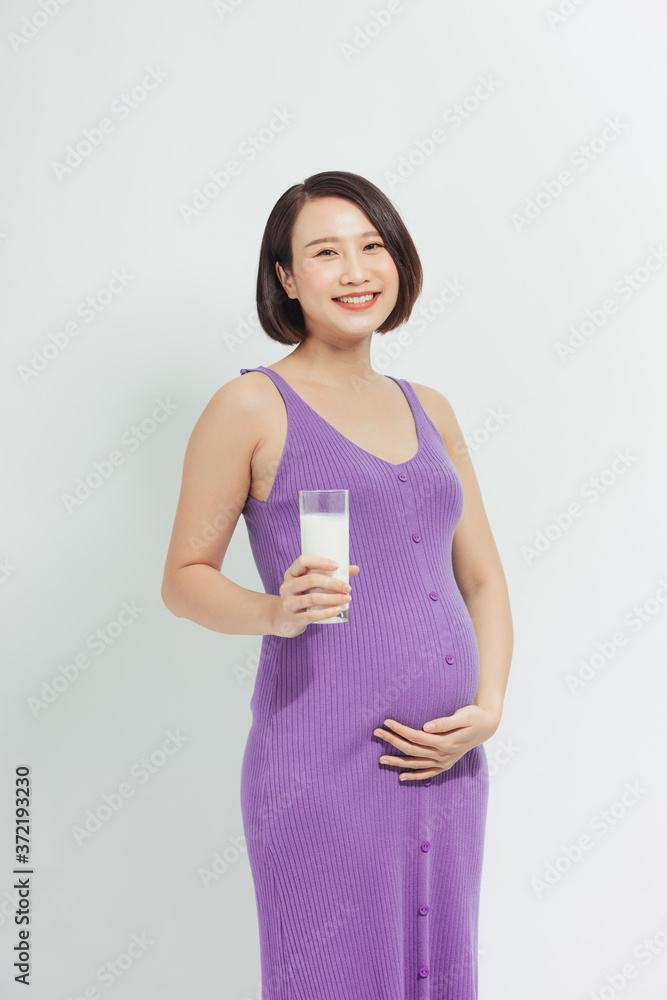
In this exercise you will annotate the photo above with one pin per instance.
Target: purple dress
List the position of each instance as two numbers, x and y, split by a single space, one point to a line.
367 888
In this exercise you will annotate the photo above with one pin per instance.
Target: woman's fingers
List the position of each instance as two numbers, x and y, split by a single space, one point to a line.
413 762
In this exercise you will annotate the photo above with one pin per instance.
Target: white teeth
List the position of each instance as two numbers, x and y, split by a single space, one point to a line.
355 298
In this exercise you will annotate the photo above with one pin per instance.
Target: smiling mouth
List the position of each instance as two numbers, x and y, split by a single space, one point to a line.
364 298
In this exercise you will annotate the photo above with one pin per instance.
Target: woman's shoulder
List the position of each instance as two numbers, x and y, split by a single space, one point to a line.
434 402
235 411
244 395
441 412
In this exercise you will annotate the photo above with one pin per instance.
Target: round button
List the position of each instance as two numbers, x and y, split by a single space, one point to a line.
416 538
244 370
449 658
433 595
423 972
402 476
427 781
425 845
423 910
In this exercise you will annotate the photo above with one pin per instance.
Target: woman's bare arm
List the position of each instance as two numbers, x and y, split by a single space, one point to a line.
476 562
215 484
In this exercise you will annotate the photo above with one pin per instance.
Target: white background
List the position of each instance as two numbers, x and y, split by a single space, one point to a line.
363 98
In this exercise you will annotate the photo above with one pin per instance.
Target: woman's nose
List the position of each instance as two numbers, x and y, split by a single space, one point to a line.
354 269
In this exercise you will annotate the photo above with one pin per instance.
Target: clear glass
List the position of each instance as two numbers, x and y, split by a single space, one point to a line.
325 531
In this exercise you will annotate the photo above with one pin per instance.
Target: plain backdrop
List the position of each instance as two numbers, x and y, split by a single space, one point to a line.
524 145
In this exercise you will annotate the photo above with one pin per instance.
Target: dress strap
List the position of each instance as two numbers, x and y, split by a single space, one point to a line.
422 420
284 388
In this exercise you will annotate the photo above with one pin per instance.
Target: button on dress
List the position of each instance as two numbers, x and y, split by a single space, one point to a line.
367 887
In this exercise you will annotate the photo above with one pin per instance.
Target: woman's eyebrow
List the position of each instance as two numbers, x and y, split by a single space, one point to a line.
336 239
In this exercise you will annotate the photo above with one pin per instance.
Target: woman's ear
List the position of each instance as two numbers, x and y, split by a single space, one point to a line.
285 280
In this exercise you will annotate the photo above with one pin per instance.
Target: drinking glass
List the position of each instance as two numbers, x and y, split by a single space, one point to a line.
325 531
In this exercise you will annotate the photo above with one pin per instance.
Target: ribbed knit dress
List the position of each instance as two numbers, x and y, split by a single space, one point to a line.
367 888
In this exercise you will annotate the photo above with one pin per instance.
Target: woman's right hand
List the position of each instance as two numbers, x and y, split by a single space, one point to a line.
295 607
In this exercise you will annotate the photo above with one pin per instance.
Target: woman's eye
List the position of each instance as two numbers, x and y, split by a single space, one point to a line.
328 250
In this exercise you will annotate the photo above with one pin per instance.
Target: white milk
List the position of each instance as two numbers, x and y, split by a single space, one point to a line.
328 535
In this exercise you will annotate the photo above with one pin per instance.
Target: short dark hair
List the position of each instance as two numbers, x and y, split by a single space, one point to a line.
282 317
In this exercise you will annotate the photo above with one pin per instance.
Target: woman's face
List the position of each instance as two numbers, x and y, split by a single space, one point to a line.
338 253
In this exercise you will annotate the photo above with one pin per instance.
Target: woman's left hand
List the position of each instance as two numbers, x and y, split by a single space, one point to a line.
438 750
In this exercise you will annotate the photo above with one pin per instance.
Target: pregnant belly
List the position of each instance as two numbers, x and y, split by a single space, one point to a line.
343 679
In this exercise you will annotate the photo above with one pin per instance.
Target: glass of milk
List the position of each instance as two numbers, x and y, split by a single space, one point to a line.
325 531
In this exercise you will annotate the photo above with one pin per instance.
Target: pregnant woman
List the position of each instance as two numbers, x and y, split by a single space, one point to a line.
364 780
